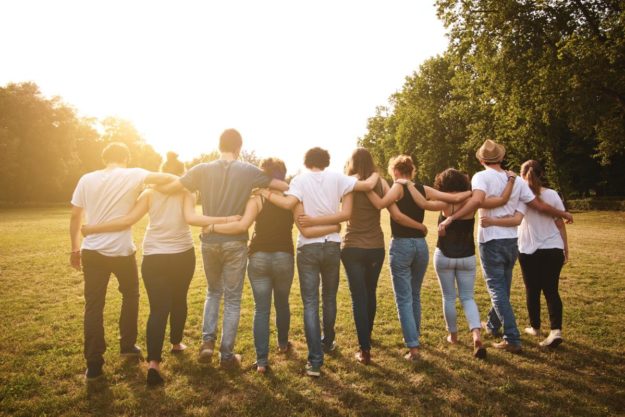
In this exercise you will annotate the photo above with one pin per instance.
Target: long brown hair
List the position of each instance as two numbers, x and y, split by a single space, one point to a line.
360 163
532 172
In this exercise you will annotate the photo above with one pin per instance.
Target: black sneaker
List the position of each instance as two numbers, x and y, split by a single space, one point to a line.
94 372
132 352
331 348
154 378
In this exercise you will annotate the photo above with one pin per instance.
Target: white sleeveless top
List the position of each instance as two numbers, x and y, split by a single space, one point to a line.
167 231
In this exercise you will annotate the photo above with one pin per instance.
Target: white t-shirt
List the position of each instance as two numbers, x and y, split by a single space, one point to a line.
321 194
493 183
106 195
539 230
167 232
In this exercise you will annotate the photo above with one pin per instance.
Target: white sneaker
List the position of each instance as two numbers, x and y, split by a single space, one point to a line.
553 340
532 331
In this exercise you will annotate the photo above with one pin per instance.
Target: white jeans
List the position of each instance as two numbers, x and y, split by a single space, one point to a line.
461 271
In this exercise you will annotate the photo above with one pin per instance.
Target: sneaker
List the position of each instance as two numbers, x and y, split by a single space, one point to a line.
206 351
504 345
181 348
331 348
232 363
553 340
489 331
532 331
154 378
313 370
132 352
93 373
363 356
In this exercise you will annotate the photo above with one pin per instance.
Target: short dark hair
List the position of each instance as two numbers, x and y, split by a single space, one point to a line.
116 152
451 180
172 165
274 167
317 158
230 141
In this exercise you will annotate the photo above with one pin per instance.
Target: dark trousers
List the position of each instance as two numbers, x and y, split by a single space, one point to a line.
541 272
166 278
97 270
363 268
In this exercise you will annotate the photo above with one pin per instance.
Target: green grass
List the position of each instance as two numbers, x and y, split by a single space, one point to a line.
41 364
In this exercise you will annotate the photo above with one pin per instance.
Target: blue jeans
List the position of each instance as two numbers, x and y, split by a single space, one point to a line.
319 262
409 260
363 268
498 257
270 272
224 266
460 271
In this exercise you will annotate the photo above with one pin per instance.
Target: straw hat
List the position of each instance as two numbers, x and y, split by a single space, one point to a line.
490 152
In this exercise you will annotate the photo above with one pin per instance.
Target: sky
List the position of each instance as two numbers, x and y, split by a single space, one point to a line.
289 75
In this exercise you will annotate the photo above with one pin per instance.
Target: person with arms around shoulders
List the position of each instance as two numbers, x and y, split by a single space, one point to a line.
225 187
543 251
101 196
168 261
270 261
498 244
319 258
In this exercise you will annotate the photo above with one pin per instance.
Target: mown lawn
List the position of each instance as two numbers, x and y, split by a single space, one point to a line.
41 364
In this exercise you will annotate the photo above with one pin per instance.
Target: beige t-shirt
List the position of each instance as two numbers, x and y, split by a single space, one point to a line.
106 195
167 232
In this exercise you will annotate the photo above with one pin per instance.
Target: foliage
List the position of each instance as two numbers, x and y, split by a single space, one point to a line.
543 77
45 147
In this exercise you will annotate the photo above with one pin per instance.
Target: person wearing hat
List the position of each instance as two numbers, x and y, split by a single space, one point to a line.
498 244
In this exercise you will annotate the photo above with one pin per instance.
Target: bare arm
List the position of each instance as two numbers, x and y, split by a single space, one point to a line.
404 220
121 223
472 204
279 185
286 202
543 207
160 178
368 184
421 201
194 219
451 198
74 234
330 219
509 221
562 228
170 187
253 207
390 197
493 202
313 231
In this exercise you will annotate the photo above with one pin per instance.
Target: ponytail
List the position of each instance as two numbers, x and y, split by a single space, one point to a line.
532 172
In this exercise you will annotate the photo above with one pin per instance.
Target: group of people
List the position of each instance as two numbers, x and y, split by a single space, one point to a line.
234 195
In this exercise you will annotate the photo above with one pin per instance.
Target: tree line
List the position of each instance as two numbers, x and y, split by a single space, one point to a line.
45 146
544 78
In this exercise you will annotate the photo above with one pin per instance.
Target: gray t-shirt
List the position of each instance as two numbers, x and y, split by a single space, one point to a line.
225 188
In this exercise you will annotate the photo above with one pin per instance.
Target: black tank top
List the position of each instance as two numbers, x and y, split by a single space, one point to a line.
458 240
273 230
408 206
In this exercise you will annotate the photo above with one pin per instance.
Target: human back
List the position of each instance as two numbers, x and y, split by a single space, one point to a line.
167 230
106 195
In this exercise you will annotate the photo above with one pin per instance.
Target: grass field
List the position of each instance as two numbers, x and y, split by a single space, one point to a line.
41 364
